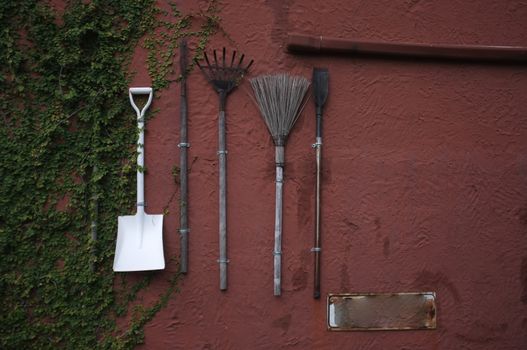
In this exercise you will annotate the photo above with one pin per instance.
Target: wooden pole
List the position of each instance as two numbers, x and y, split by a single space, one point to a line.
319 44
222 157
183 161
280 160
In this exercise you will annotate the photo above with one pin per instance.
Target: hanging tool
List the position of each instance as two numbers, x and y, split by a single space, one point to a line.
183 163
224 78
279 98
140 237
320 93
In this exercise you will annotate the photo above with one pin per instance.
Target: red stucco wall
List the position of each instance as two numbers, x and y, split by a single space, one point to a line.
425 183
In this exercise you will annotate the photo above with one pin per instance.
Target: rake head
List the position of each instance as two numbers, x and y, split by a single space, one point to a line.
222 75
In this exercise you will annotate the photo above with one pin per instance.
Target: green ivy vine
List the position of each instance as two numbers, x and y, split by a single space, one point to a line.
67 164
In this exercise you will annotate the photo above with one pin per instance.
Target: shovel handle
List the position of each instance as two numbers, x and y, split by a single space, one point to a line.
140 141
141 91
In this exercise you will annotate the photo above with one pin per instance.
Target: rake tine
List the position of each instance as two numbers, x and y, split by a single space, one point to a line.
206 58
219 73
216 59
209 66
224 66
217 67
205 71
233 56
241 60
249 65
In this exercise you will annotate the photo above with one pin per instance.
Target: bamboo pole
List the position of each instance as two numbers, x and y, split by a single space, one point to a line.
494 53
280 160
222 158
183 161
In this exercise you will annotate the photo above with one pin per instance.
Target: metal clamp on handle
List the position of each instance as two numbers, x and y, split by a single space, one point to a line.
316 249
141 204
277 253
222 152
223 261
184 230
183 144
317 144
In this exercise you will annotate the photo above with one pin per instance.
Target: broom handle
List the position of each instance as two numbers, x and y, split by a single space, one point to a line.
222 155
278 220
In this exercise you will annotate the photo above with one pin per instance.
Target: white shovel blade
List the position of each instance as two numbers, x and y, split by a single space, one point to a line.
133 253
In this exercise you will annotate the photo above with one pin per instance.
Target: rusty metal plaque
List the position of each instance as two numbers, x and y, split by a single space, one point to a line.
381 311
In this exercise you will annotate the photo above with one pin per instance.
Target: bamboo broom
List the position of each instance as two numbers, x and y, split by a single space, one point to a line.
279 98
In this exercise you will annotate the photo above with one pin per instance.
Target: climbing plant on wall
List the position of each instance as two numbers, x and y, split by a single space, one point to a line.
67 164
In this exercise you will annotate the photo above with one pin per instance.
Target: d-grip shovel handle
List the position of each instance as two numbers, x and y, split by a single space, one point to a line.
141 91
140 142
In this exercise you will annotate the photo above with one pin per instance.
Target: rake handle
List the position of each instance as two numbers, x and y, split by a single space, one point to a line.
222 159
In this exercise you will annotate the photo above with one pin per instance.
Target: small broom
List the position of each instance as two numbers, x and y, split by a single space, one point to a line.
279 98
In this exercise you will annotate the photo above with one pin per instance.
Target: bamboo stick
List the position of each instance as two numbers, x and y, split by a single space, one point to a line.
183 161
494 53
278 220
222 157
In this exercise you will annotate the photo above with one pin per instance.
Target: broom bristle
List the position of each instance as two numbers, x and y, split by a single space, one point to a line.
279 99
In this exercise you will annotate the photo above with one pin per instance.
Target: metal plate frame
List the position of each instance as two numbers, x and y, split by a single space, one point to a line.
381 311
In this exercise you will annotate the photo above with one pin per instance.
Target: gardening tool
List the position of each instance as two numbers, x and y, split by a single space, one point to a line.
140 236
279 98
183 164
320 93
224 78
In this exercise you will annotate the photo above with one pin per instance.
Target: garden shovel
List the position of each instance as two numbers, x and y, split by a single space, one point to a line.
140 236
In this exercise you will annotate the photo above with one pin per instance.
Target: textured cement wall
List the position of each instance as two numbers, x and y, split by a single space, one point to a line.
425 183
